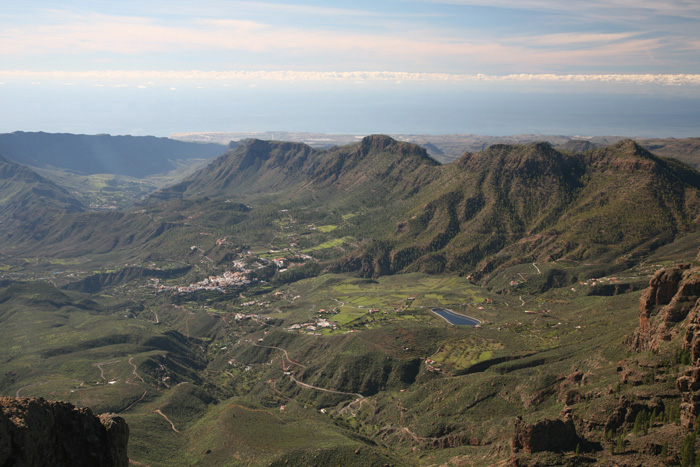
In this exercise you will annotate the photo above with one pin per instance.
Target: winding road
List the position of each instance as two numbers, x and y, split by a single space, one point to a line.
309 386
169 421
286 355
306 385
129 381
102 371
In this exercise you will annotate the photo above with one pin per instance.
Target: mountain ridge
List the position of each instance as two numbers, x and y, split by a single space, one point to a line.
256 166
29 202
137 156
472 216
536 202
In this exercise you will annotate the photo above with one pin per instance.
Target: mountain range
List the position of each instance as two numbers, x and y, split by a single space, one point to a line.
507 203
285 304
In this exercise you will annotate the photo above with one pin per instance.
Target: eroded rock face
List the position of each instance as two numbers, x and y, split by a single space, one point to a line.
671 295
35 432
626 412
545 435
670 307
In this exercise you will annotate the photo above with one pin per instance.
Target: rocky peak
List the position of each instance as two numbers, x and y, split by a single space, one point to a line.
35 432
626 155
379 142
383 143
537 159
255 144
631 148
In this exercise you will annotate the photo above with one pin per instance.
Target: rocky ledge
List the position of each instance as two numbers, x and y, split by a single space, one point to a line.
34 432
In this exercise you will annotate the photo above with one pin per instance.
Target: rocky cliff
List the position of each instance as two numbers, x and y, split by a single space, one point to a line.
669 309
34 432
667 302
545 435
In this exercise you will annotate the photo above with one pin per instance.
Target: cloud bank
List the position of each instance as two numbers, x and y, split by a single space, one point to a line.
196 76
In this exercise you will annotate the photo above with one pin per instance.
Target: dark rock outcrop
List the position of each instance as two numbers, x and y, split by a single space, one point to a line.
670 308
545 435
34 432
668 300
627 410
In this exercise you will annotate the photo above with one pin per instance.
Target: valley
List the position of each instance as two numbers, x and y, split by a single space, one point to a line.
281 304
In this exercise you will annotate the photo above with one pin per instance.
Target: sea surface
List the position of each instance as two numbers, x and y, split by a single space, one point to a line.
361 110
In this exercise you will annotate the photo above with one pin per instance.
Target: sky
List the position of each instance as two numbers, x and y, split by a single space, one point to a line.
590 67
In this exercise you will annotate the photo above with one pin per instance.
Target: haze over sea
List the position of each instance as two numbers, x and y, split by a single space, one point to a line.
433 108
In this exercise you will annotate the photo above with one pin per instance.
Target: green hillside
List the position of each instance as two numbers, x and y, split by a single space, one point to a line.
515 204
29 203
377 166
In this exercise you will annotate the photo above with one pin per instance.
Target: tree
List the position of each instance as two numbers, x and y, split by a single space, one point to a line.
688 451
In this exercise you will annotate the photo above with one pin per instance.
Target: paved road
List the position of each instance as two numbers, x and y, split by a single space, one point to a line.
455 318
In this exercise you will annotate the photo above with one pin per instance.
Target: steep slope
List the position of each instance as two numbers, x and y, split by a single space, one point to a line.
250 166
93 154
28 202
37 214
254 167
376 171
629 197
512 204
684 149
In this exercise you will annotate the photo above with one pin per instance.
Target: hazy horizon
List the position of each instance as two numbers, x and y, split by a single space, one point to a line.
383 110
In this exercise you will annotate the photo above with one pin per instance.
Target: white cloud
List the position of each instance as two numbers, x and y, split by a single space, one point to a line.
567 39
197 77
91 33
277 8
587 8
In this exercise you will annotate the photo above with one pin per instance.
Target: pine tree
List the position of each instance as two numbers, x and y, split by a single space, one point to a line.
620 443
640 423
688 451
